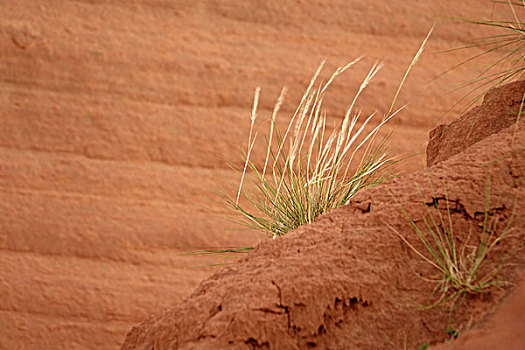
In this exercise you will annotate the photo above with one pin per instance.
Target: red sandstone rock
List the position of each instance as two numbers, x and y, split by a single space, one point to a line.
112 114
498 110
347 281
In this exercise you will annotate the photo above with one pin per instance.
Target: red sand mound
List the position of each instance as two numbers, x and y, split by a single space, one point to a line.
347 281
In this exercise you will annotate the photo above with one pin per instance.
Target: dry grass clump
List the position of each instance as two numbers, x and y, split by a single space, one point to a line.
308 170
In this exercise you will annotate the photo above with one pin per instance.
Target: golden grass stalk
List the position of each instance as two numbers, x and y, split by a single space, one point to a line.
253 116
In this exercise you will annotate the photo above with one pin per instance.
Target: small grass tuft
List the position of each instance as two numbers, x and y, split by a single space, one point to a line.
452 332
462 269
422 346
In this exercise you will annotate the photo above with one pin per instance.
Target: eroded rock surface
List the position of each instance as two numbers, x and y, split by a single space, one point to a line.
499 110
347 281
113 118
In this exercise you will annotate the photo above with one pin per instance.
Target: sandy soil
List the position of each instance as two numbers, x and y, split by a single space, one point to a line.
112 117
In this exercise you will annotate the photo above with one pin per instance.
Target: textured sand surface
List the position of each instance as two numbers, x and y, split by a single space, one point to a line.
112 114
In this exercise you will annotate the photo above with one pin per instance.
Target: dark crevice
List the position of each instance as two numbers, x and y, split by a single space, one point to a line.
364 207
336 315
352 302
281 306
215 311
490 212
254 344
355 302
270 311
455 206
